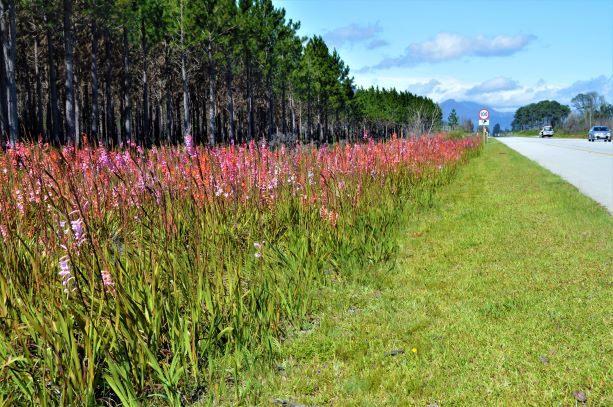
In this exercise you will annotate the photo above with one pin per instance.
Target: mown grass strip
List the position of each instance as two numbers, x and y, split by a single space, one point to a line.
501 295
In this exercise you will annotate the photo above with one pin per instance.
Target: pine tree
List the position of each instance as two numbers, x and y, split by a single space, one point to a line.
452 120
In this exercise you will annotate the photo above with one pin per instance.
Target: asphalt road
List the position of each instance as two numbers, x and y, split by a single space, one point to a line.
588 166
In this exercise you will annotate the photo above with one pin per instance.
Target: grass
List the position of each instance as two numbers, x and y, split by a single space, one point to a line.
458 134
500 295
558 134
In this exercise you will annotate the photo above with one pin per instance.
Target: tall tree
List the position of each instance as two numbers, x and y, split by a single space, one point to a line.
9 49
95 119
220 70
187 124
71 133
496 130
586 103
452 120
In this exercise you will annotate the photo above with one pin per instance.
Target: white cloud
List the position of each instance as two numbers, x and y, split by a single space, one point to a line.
493 85
446 46
377 43
424 88
355 33
601 84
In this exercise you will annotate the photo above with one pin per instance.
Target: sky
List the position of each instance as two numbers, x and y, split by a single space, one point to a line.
502 53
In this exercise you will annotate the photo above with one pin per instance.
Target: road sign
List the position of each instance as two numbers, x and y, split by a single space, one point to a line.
484 122
484 114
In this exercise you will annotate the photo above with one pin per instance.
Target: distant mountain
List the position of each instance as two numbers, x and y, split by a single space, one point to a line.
470 110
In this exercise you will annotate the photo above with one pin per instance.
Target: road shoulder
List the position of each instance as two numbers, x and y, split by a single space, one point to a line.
500 297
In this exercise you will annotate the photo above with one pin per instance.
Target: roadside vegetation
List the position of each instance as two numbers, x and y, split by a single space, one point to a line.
139 276
458 134
559 133
500 295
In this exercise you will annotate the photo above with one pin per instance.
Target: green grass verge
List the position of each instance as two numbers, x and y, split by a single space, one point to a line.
558 134
501 295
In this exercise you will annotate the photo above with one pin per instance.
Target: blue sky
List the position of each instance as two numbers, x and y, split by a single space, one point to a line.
503 53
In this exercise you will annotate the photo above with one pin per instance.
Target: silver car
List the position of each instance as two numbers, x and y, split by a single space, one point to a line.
546 131
599 133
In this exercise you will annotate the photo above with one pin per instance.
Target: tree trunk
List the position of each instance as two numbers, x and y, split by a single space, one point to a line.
9 48
250 128
187 123
111 132
271 107
77 105
26 114
158 123
283 108
229 84
69 60
309 117
3 92
212 91
127 103
40 129
168 96
94 102
292 108
146 126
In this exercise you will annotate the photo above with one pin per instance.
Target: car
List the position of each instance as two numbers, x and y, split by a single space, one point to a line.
546 131
599 133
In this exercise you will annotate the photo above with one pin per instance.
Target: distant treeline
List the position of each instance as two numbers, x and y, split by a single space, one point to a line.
547 112
591 108
152 71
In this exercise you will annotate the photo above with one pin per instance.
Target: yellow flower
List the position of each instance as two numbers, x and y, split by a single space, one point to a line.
414 350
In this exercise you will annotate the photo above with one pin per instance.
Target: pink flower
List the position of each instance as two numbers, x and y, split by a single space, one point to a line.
107 281
258 247
189 145
65 273
79 232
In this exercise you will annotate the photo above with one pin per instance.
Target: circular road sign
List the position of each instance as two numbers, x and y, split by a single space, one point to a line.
484 114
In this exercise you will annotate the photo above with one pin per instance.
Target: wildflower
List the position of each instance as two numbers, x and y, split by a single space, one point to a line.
310 177
65 273
333 217
414 350
189 145
258 247
77 228
107 281
19 201
328 215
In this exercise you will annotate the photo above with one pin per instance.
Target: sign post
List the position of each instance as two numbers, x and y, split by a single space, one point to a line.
484 120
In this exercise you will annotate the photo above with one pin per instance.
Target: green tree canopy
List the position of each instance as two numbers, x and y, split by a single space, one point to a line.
452 120
535 115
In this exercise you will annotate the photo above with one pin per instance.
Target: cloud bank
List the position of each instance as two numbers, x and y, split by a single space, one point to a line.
446 46
493 85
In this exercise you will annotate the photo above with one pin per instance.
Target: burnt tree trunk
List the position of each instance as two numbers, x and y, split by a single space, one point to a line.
70 82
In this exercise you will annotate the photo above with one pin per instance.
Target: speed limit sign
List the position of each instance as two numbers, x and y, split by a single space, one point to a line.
484 114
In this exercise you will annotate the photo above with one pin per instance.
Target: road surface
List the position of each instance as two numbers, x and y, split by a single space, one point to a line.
588 166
